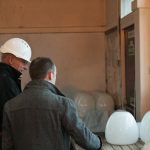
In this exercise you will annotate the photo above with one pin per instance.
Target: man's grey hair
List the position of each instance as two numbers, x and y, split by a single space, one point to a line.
40 66
4 55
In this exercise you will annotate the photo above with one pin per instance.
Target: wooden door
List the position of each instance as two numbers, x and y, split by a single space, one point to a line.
130 69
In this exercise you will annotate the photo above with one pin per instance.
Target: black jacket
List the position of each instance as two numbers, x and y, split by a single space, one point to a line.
10 86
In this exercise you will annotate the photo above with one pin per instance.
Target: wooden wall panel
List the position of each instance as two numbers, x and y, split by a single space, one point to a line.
52 14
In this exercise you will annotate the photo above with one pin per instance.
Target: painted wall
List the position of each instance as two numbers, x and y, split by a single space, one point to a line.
70 32
80 58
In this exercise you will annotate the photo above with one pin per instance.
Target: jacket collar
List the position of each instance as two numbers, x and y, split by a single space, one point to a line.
44 84
5 68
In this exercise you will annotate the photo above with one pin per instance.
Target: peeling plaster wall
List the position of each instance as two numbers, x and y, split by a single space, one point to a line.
113 66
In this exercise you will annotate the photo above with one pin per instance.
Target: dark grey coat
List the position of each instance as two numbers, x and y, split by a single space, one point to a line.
41 119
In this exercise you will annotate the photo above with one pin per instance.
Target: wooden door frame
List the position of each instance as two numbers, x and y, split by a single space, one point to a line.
125 22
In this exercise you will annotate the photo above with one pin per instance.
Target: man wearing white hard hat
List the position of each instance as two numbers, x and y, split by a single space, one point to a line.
15 56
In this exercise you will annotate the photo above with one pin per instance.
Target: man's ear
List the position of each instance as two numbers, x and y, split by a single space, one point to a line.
50 75
10 60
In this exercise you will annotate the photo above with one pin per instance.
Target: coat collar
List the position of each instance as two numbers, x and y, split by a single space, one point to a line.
44 84
7 69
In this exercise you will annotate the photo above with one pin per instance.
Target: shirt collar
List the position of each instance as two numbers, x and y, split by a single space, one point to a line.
44 84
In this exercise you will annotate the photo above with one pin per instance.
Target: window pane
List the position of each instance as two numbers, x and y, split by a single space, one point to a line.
126 7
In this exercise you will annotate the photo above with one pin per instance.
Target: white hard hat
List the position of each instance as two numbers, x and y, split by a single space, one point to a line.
18 47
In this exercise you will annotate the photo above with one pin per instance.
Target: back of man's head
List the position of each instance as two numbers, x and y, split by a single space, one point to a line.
40 67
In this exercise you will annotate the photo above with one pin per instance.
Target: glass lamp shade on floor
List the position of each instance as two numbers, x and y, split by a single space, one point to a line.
121 129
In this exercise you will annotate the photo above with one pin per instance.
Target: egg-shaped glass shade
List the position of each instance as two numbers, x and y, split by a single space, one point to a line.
145 128
121 129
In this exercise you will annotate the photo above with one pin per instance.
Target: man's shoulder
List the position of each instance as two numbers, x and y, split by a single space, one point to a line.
67 101
11 102
5 78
